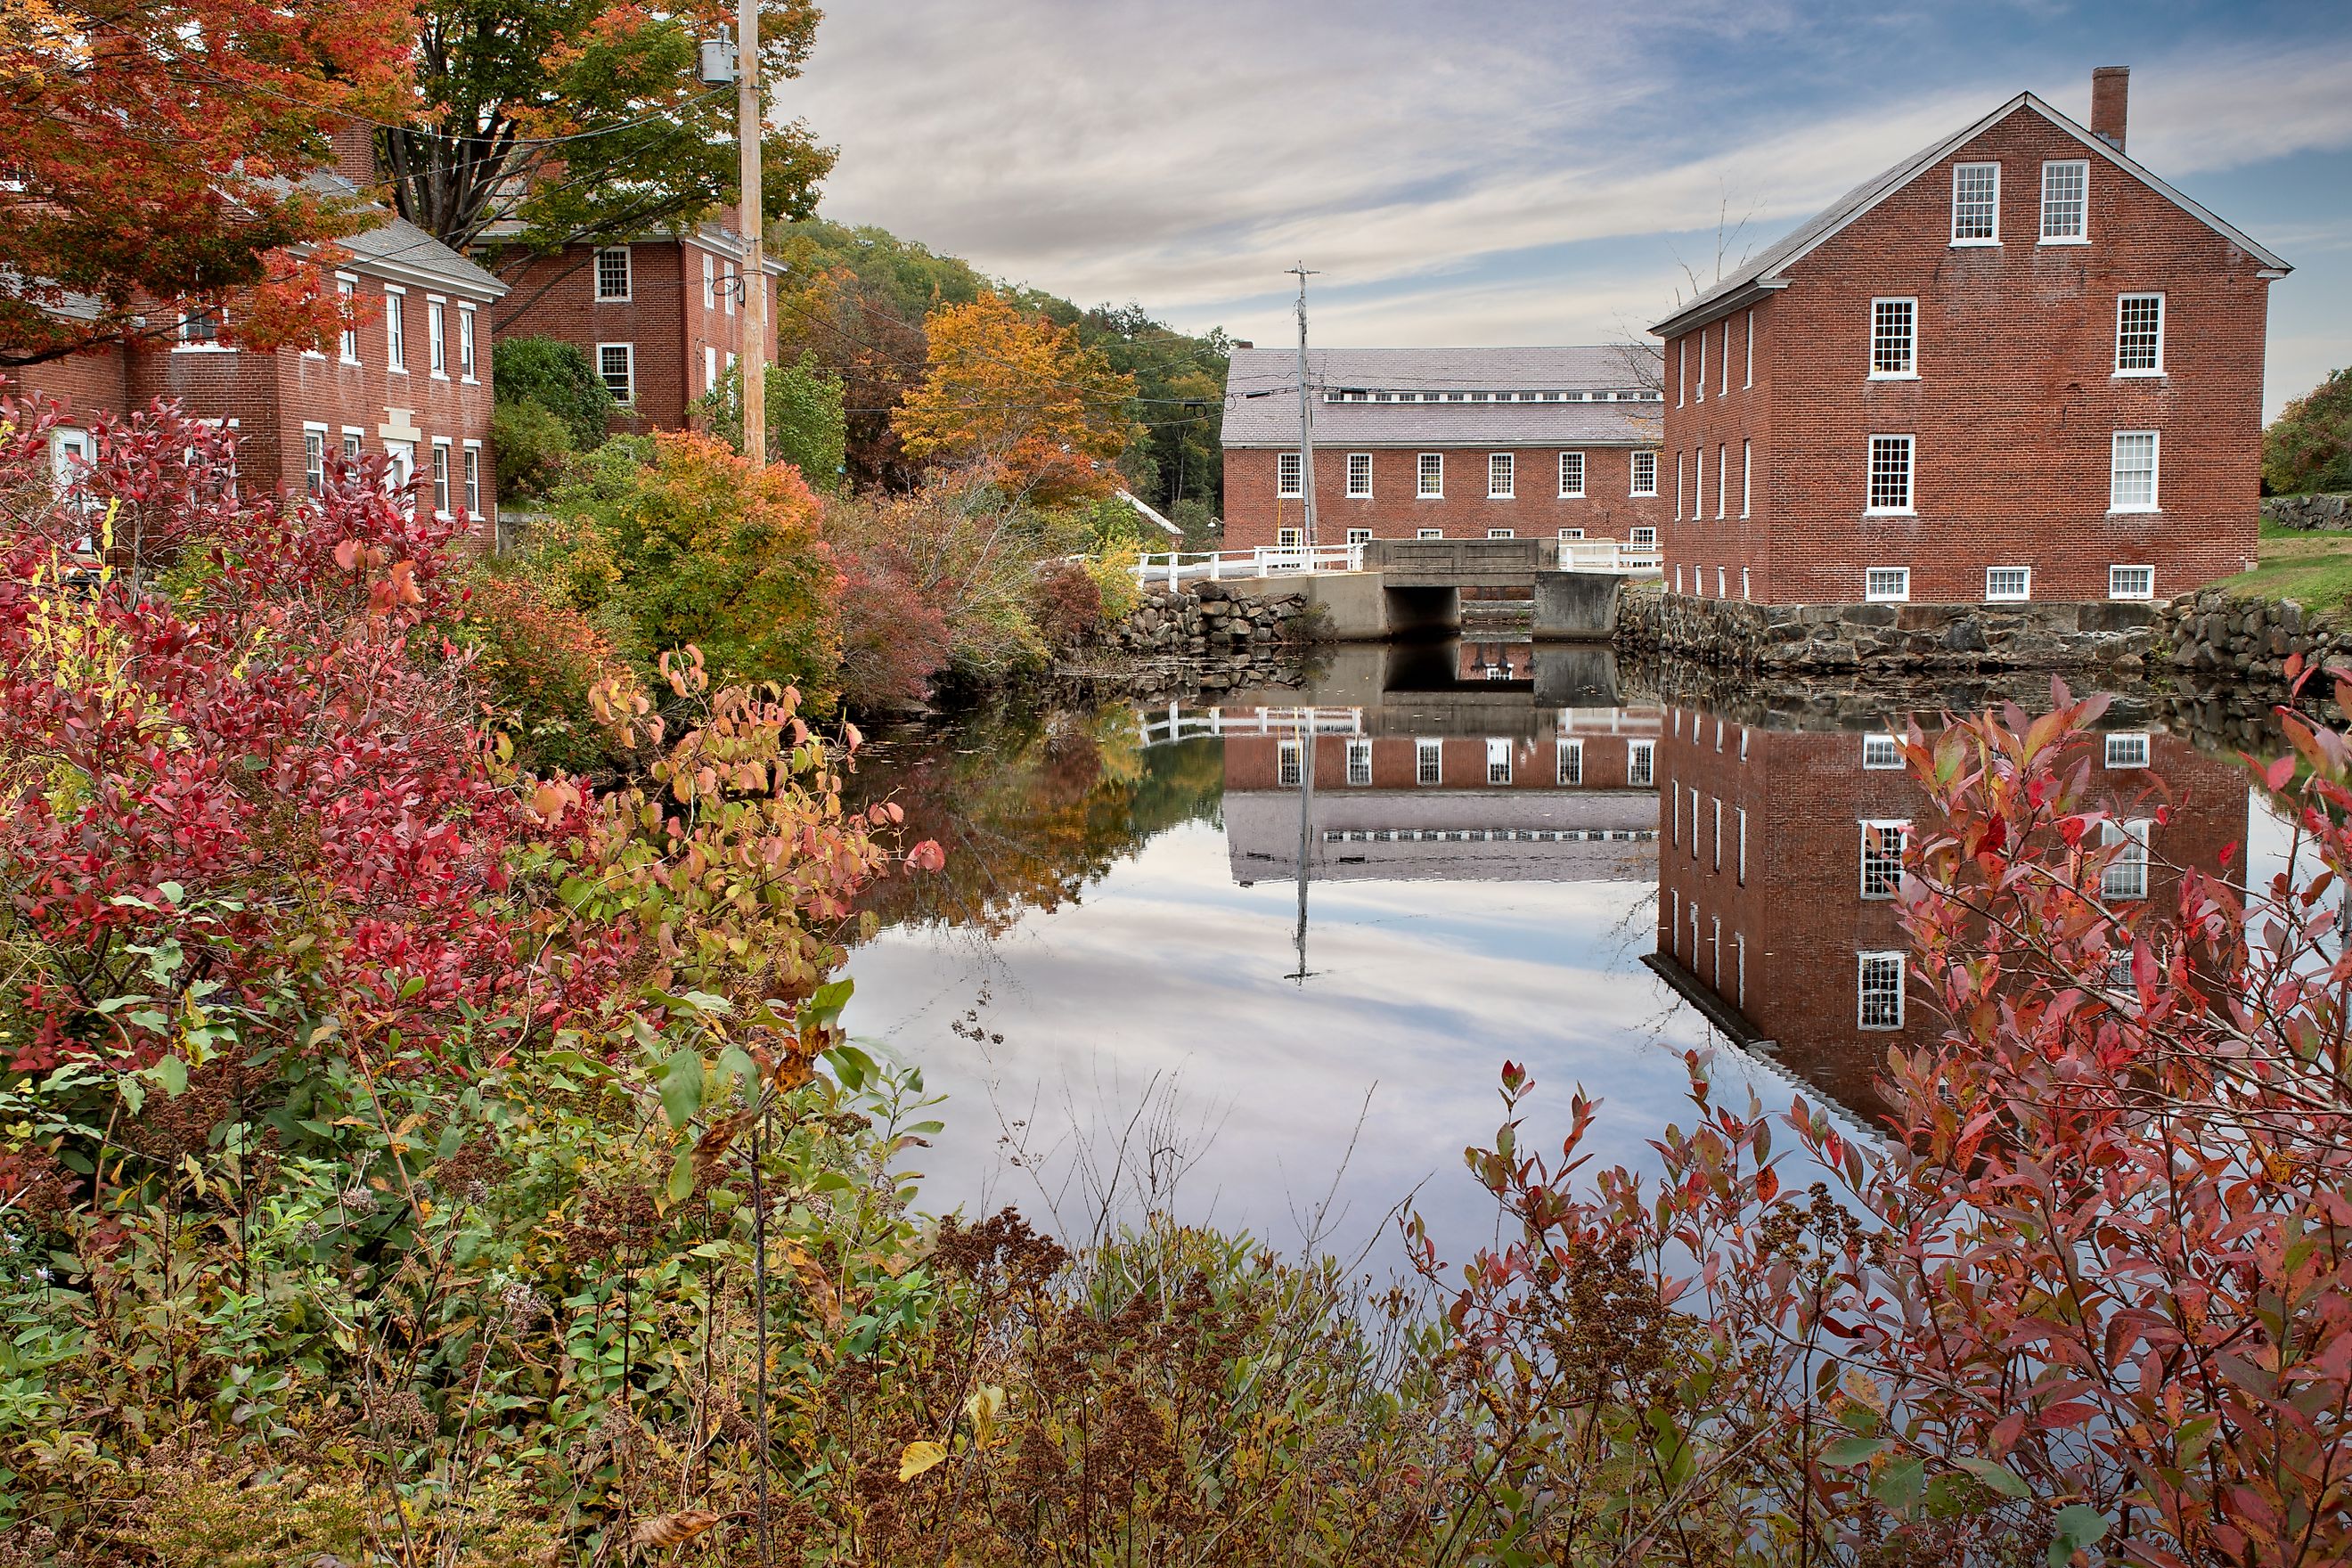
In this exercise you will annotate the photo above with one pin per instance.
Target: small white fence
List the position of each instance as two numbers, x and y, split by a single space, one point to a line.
1179 723
1175 566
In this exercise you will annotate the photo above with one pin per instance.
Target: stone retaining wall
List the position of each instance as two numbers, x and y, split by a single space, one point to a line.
1234 637
1886 637
2329 512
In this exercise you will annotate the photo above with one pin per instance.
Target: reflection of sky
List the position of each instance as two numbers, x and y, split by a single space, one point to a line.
1169 973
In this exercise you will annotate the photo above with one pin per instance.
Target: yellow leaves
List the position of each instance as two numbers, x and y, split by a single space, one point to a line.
816 1283
981 1409
917 1457
674 1529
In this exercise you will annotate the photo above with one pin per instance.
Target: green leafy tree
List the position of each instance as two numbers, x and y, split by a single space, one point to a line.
558 377
806 424
2309 446
533 446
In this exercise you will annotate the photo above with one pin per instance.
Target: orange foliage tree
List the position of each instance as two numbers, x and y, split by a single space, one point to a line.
1040 413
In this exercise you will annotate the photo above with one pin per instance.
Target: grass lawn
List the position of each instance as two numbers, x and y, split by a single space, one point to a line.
2313 569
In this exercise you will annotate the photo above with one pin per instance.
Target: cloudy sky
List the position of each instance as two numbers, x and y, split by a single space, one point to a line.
1522 172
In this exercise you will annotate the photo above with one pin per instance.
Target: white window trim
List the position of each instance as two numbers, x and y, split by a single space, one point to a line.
1702 366
347 287
1722 478
2137 739
1872 759
395 350
629 349
1360 750
2017 598
1571 534
1359 536
321 432
1502 533
1958 243
2083 238
1353 493
1911 477
442 475
1569 760
1429 533
1747 491
1723 368
2135 831
1428 762
1876 374
1566 493
2155 502
1863 961
1633 472
1289 765
1640 763
1869 825
1679 477
470 483
1289 538
1420 470
1749 379
354 440
470 346
2129 566
437 327
2163 313
1870 596
596 276
1295 487
1510 464
1682 370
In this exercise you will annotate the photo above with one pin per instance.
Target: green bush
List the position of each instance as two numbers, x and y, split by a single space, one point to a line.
2308 446
533 448
806 424
556 377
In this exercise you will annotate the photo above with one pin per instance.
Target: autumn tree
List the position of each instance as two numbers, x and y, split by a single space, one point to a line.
1043 414
156 153
2309 446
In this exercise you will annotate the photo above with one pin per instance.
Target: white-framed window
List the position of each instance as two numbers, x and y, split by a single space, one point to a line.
1882 858
2066 202
347 291
616 364
2140 334
1746 485
1975 204
395 330
1429 533
1646 474
2127 875
1694 795
1745 591
1740 870
1428 761
1719 583
1698 484
1890 476
1572 475
1432 483
1500 467
2007 583
200 325
1289 538
1722 478
437 353
2131 477
2127 750
1679 470
1360 474
728 289
1498 761
1289 767
1723 363
1571 534
1359 762
440 477
1288 467
1641 762
352 437
1501 533
314 458
612 279
1716 801
1702 366
1886 585
710 281
1895 338
400 468
709 367
70 456
473 478
1879 990
1569 767
466 343
2131 582
1748 380
1679 579
1643 539
1359 536
1682 370
1878 752
1739 966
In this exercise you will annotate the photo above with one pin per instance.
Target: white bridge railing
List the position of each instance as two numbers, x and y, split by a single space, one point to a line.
1174 566
1180 724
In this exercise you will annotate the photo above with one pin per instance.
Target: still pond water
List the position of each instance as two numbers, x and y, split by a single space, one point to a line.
1510 854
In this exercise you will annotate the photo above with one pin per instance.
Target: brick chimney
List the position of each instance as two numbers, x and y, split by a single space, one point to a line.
2110 90
354 148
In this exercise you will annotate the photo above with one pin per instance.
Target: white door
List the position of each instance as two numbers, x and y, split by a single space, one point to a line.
401 470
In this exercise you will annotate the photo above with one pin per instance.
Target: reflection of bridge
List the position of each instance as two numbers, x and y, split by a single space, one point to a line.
1464 835
1176 722
1173 567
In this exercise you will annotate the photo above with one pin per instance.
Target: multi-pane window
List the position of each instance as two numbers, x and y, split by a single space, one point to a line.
1359 474
1290 767
1359 536
1882 858
436 325
350 443
347 295
1429 533
2131 582
466 343
613 273
1359 762
710 281
1571 534
1746 478
2066 201
314 460
2003 583
1641 759
1893 337
1572 475
1890 473
1642 538
1501 533
1722 481
441 478
727 288
616 364
2140 334
1429 761
1878 752
1879 983
1289 538
2131 481
200 323
1571 770
396 331
2127 750
1646 474
473 481
1498 761
2125 876
1433 474
1287 475
1886 585
1499 470
1975 204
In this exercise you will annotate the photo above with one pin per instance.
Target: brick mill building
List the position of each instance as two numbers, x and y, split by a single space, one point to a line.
1552 443
2016 365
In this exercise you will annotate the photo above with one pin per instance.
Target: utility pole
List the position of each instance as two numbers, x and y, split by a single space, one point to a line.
1306 411
751 111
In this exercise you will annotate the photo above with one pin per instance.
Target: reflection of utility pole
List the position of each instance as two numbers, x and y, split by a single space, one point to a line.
1305 802
749 113
1305 412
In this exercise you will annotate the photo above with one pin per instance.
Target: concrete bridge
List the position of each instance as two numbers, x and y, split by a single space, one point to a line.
1399 588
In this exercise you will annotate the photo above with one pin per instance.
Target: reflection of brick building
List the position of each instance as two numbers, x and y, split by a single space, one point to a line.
1778 852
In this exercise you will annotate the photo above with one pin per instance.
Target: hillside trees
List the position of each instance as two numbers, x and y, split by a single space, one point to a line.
2309 446
156 153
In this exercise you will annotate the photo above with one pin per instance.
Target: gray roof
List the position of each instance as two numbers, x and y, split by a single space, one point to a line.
1767 269
400 249
1262 397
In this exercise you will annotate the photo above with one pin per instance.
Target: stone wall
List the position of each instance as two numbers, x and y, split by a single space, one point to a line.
1235 635
2328 512
1886 637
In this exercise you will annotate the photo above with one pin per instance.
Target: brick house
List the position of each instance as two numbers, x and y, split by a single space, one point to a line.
411 380
661 317
1779 853
2015 365
1444 443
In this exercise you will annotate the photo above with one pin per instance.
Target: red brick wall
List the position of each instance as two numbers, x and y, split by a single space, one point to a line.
1801 906
1254 515
1253 763
2013 407
85 385
669 318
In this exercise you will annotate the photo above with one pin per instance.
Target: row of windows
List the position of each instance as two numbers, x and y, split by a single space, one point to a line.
2065 203
201 326
1722 482
457 479
1501 475
1723 362
1429 762
722 283
1889 490
1365 395
1892 585
1895 336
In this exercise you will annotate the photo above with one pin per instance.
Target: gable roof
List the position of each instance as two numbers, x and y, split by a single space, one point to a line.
1262 397
400 249
1768 270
